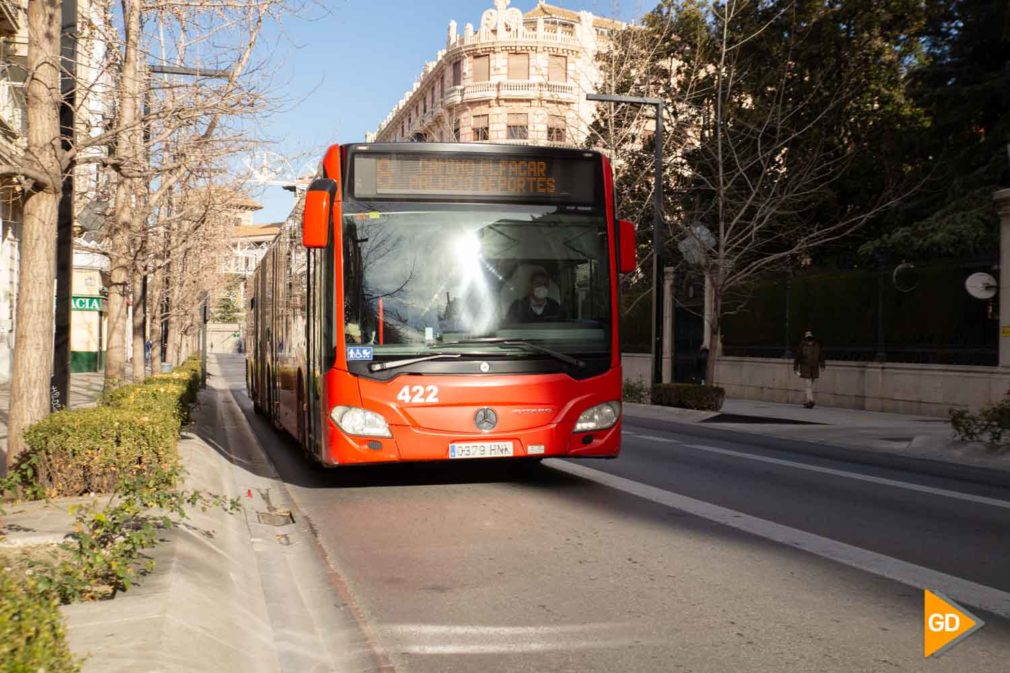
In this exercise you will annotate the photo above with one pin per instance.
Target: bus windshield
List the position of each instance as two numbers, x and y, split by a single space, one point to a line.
416 280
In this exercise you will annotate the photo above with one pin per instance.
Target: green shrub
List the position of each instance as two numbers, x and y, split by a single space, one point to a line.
635 390
131 438
171 395
688 396
32 637
126 447
83 451
991 425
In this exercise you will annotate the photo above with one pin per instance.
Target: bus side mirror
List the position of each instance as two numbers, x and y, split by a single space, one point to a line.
629 246
320 204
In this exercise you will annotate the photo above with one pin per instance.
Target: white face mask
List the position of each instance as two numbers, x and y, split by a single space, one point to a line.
540 292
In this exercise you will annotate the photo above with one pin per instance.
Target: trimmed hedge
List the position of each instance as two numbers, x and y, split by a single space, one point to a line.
688 396
131 437
32 636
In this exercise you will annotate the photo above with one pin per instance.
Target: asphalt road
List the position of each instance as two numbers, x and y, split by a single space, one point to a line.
685 554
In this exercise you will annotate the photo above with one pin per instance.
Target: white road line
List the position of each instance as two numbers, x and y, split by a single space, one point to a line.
654 438
962 590
474 639
504 631
993 502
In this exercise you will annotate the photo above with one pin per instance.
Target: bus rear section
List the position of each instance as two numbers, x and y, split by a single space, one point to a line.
465 304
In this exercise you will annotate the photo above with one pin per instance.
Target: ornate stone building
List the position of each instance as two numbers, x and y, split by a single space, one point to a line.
517 78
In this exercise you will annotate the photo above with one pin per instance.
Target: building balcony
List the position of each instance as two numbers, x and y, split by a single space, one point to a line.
520 89
453 96
480 91
534 141
12 109
519 38
527 89
12 13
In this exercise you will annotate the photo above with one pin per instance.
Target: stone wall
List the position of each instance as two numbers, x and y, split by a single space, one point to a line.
894 387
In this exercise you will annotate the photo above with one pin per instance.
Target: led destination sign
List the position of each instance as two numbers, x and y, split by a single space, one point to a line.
412 176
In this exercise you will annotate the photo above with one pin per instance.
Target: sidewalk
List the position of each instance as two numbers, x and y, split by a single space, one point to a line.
920 438
230 592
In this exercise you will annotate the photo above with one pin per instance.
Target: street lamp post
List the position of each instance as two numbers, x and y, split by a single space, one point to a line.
658 223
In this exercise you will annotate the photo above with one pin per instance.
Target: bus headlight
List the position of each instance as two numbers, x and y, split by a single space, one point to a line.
600 417
356 421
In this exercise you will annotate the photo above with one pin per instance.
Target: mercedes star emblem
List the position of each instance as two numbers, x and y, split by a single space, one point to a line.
485 367
485 419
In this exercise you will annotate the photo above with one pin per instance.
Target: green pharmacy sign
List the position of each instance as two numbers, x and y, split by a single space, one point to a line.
86 303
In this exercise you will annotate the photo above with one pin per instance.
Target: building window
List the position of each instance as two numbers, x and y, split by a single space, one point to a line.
519 66
455 131
557 69
481 127
457 73
518 126
556 129
481 68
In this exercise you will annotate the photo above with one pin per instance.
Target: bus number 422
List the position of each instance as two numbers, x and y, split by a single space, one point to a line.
418 394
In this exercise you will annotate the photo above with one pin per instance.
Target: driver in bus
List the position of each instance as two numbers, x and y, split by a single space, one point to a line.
536 306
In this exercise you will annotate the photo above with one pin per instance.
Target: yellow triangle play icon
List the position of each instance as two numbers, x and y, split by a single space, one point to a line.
944 623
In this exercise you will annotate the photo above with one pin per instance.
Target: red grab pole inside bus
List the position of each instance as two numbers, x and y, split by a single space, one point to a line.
380 320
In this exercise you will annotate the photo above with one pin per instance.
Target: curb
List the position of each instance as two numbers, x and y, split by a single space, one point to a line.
202 609
927 466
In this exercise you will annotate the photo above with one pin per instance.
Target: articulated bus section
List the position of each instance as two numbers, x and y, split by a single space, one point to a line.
401 315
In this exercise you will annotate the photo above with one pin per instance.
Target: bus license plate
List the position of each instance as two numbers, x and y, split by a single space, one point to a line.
480 450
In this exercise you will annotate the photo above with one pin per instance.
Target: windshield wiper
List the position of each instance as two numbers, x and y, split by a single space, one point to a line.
393 364
522 343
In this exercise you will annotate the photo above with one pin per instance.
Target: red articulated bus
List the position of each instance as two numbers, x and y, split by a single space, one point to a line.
443 301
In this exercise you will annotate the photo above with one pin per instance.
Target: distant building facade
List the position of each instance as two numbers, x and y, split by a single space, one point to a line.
246 248
82 21
517 78
13 74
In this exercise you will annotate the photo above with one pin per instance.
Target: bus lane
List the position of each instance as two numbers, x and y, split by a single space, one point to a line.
483 566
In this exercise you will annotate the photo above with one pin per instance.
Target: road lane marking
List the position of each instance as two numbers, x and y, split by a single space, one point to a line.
654 438
959 589
474 639
932 490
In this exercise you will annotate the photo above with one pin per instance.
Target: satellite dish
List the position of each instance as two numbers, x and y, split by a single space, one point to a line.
981 285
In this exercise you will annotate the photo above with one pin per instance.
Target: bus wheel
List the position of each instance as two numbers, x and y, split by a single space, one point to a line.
251 389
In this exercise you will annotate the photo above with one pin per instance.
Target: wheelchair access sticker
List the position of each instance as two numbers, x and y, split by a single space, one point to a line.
359 353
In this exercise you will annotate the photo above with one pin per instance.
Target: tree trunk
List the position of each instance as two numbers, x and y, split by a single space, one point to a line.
128 146
714 353
154 301
139 318
33 336
713 326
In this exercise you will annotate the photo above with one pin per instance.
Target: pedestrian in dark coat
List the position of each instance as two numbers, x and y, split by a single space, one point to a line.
808 364
702 365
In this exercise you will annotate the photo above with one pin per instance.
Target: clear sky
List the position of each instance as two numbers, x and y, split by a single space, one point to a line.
345 64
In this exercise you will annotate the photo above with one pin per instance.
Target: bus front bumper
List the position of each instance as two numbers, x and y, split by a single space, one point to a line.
409 444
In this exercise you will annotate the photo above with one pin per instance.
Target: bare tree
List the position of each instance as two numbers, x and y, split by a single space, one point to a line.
184 137
121 229
765 128
42 169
